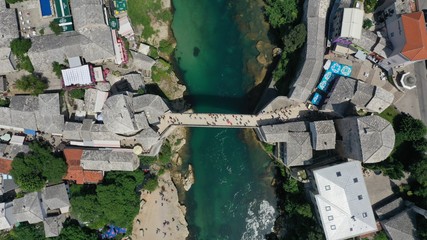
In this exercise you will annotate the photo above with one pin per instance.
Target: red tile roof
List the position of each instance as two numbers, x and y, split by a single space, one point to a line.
5 165
416 36
75 172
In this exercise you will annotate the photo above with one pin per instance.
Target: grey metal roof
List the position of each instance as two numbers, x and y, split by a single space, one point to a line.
369 139
28 208
118 115
9 28
109 160
152 105
297 149
53 225
342 201
323 134
364 93
315 48
56 197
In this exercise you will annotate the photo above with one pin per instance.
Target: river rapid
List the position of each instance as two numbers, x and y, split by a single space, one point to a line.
216 53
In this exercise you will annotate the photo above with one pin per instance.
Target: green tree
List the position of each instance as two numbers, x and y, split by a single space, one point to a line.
57 67
409 128
370 5
151 184
73 231
31 171
115 201
295 38
54 26
20 46
281 12
27 231
291 186
419 172
32 84
367 23
4 102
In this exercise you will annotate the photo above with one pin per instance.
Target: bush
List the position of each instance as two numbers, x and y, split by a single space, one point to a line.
151 184
367 23
19 46
57 67
31 84
166 47
77 93
4 102
370 5
54 26
25 64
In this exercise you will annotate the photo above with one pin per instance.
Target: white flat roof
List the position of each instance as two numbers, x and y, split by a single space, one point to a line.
77 76
343 202
352 22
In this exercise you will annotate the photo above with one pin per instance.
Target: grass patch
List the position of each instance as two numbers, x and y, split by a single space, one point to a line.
390 113
145 12
161 70
77 93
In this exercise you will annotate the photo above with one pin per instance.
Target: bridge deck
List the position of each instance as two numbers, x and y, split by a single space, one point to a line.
228 120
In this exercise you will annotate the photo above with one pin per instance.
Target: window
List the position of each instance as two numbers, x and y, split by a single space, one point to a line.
330 217
355 180
327 187
338 174
351 229
392 34
333 227
328 208
364 215
360 197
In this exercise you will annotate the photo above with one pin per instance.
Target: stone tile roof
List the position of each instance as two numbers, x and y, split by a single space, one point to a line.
381 100
364 93
342 201
29 208
118 115
142 61
323 135
279 132
109 160
297 149
372 42
7 220
9 28
147 138
56 197
6 65
152 105
315 48
53 225
398 221
134 81
369 139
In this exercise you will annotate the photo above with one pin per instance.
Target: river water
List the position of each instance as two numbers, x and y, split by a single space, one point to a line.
232 197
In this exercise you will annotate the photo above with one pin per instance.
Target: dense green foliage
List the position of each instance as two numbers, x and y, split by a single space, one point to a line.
26 231
54 26
73 231
291 42
161 71
31 171
14 1
32 84
57 67
370 5
142 12
78 93
281 12
367 23
115 201
166 47
296 215
20 47
151 184
4 102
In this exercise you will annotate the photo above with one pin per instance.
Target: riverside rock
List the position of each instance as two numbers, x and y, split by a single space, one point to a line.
188 179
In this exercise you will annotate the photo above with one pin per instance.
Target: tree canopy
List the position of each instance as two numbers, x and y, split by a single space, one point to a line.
32 84
295 38
281 12
115 201
20 46
54 26
31 171
73 231
26 231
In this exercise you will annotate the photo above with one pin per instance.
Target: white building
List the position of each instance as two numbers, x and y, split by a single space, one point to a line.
342 201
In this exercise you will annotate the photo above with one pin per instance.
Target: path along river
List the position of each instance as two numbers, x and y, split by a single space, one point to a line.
232 197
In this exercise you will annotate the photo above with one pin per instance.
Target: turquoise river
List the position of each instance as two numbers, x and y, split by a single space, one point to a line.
232 197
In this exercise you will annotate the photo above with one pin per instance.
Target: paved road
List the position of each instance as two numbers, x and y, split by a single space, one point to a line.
420 75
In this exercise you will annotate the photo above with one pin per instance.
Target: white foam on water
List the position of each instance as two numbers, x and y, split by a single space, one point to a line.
260 220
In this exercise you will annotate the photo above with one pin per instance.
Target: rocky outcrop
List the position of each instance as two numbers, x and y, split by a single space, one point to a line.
188 178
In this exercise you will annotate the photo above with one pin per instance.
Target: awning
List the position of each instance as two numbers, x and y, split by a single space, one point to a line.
18 140
30 132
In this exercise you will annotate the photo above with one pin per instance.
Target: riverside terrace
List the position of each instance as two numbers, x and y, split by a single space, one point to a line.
265 117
